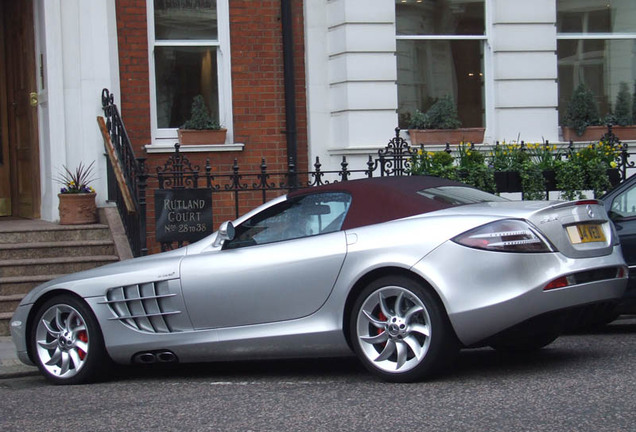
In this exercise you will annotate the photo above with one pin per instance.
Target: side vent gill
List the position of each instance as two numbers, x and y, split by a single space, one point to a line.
145 307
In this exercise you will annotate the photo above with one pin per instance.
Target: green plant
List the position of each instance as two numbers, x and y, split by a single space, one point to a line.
587 169
441 115
200 118
473 169
623 106
570 178
544 155
440 164
582 110
532 181
76 181
508 157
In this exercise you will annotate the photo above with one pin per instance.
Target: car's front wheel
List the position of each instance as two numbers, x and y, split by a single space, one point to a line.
400 331
66 342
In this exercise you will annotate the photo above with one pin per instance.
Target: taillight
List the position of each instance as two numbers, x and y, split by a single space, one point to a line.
511 235
561 282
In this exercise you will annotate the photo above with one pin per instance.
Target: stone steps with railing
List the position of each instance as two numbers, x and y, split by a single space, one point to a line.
33 252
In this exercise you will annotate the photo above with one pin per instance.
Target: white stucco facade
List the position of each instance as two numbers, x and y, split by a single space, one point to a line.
352 75
76 56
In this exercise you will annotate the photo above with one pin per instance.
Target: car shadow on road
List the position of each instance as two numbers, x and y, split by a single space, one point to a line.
469 363
313 369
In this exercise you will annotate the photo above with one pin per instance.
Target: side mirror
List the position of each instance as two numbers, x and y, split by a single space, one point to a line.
225 232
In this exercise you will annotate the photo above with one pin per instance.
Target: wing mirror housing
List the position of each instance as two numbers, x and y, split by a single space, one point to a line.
225 232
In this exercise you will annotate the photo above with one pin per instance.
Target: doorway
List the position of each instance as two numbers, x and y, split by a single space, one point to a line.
19 152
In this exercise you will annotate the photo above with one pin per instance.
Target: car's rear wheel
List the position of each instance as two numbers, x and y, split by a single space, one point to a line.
66 342
400 331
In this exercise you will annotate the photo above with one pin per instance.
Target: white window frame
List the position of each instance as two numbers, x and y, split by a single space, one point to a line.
614 36
163 139
487 60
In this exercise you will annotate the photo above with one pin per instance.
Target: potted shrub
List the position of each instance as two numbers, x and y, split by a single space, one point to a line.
77 198
582 115
622 121
440 125
201 128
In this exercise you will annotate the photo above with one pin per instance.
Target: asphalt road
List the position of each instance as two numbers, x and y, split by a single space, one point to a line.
583 382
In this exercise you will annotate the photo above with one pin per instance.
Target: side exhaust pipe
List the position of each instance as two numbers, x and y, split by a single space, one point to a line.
152 357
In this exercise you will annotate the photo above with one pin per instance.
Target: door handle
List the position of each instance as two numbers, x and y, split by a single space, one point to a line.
33 99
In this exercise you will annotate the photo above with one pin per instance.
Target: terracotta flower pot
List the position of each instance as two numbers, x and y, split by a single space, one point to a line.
77 208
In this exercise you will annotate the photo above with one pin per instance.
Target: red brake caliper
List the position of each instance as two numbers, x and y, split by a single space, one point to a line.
84 338
382 317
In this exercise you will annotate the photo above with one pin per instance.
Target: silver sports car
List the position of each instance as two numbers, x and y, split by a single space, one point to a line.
401 271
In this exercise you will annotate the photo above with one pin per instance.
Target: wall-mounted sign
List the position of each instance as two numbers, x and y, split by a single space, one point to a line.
182 214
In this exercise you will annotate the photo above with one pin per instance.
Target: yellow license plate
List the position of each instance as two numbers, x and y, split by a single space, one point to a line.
586 233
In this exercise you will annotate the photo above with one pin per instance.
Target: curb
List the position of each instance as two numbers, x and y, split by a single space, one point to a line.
10 366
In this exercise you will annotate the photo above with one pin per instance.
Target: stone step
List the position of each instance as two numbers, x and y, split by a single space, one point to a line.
54 233
63 265
23 284
56 249
9 303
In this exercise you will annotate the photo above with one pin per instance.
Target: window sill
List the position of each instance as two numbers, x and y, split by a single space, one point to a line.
199 148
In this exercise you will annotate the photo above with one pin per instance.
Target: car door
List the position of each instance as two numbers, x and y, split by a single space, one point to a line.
622 210
281 265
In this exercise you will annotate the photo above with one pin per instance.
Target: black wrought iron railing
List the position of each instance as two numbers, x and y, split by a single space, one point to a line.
134 178
239 191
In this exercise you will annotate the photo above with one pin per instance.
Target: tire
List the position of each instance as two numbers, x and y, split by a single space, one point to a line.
67 343
400 331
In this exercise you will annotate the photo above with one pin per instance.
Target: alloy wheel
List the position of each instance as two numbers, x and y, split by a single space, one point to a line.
394 329
62 341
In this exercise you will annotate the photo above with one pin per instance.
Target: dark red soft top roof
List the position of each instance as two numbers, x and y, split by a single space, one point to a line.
382 199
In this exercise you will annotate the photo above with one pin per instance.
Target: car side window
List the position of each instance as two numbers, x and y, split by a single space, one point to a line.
303 216
624 205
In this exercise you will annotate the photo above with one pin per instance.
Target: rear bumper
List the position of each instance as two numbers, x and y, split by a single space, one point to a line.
495 291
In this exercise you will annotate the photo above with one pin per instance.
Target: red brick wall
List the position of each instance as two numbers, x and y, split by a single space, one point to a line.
258 95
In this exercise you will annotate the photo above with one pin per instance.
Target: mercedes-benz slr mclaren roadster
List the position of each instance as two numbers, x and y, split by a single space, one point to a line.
401 271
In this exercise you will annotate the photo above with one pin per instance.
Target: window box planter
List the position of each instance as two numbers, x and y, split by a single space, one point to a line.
443 136
595 133
549 178
508 181
208 136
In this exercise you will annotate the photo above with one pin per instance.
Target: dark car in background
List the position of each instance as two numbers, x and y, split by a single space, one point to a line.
620 204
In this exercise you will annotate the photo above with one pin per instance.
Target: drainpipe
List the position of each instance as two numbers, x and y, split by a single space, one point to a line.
289 82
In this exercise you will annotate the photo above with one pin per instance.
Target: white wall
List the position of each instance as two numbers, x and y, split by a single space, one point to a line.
351 75
76 48
524 71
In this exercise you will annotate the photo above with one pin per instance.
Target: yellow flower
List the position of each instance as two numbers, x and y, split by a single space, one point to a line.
613 164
